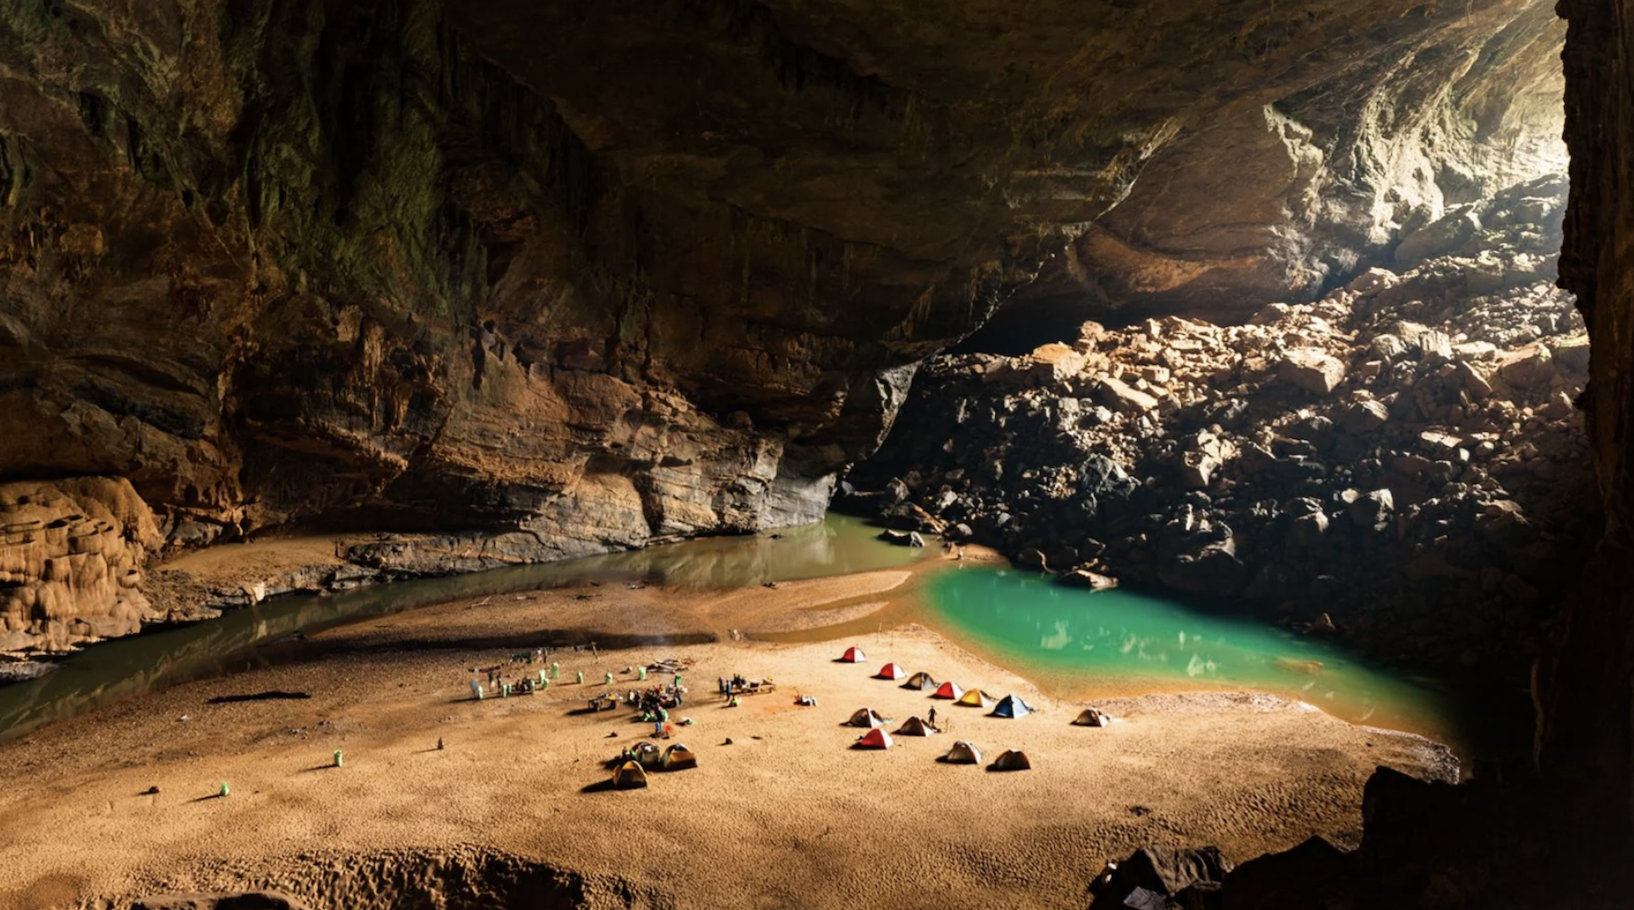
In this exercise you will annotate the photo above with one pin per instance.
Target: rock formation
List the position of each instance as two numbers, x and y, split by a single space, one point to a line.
1401 458
551 279
71 556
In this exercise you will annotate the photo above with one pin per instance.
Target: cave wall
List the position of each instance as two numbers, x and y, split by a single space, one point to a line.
579 276
274 260
1586 696
1289 192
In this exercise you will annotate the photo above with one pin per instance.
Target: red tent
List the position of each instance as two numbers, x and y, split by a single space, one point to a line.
876 738
948 690
853 655
890 671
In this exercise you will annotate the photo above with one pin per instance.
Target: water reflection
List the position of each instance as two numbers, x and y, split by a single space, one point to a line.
124 667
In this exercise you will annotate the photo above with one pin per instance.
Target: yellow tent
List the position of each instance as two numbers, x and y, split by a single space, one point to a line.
679 757
629 776
975 698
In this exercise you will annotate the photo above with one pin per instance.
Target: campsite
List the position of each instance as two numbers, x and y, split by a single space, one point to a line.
532 771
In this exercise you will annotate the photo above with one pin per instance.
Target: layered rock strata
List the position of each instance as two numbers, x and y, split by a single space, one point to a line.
71 557
1403 456
551 279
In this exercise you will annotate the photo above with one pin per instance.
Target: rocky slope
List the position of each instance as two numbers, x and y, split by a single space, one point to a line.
549 279
1401 459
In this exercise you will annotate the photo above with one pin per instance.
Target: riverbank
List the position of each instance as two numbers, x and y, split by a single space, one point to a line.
785 815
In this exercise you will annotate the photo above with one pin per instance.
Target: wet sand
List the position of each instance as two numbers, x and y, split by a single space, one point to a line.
787 815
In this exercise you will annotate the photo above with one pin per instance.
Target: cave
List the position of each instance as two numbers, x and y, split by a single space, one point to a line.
1228 397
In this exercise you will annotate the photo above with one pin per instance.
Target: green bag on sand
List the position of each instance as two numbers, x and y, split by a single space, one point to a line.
224 790
641 673
338 762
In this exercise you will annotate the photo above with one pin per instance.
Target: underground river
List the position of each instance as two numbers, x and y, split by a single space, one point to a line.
1074 644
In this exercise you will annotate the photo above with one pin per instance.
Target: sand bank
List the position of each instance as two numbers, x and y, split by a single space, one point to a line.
787 815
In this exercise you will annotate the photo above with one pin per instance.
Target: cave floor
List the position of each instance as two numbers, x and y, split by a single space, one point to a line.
787 815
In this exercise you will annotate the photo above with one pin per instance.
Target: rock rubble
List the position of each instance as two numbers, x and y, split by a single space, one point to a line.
1402 455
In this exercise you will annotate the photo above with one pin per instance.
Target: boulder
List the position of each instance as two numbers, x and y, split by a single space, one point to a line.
1055 362
1312 370
1372 509
1535 367
1122 397
1438 238
1572 354
1364 416
1159 871
1473 381
1083 577
1308 530
1214 570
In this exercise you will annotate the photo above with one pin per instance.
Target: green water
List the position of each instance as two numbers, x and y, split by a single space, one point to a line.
1074 643
1079 642
124 667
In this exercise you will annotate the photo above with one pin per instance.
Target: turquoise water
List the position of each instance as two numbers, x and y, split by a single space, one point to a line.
1077 644
1115 642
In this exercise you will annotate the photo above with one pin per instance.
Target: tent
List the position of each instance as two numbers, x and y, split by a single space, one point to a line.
1093 717
853 655
875 739
963 753
920 681
1011 706
891 671
913 726
679 757
976 698
1012 760
948 690
866 717
629 776
646 753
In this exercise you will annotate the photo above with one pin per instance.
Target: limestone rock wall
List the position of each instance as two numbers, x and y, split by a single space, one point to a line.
71 556
576 276
1286 200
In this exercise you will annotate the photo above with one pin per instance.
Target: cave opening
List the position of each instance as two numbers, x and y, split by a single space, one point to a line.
1202 361
1308 369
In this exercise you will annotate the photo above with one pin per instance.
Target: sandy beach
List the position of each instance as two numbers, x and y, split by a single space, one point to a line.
787 815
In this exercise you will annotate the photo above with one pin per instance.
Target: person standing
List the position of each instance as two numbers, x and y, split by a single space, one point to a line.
661 718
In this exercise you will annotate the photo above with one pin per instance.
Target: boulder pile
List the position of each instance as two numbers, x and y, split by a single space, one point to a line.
1400 462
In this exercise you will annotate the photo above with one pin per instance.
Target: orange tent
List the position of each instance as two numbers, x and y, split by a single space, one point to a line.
890 671
853 655
948 690
876 738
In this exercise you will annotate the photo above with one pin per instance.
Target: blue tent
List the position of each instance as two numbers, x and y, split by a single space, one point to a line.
1011 706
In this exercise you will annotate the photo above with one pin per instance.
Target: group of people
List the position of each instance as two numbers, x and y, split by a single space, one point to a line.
526 683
